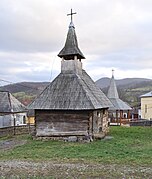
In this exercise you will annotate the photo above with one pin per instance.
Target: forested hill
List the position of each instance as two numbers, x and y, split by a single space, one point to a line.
129 89
25 91
28 87
126 82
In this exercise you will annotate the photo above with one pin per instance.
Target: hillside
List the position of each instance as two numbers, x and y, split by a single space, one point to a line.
28 87
129 89
25 91
126 82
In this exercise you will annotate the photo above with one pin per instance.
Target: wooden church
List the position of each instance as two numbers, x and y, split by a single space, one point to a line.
71 105
120 109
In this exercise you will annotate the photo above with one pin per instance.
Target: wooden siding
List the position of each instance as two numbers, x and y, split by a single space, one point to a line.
71 123
61 123
100 123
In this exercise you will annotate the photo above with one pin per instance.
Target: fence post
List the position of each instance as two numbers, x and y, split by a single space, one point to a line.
14 124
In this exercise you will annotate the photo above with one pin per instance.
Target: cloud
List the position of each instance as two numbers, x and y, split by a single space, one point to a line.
29 67
111 34
29 26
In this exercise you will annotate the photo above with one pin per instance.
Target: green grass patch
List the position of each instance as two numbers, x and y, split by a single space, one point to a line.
129 146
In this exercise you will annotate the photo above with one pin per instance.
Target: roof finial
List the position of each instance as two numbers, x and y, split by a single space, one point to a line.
71 14
113 72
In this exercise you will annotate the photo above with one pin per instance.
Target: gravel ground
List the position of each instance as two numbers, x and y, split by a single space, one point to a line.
28 169
16 169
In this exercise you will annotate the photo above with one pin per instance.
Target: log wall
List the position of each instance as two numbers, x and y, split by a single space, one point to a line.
61 123
100 123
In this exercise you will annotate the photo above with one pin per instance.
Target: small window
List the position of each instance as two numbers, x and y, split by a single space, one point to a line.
98 114
145 108
24 120
104 111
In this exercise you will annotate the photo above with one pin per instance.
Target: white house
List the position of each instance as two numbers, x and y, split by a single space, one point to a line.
12 112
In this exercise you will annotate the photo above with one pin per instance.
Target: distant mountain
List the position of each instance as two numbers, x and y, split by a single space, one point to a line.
27 87
126 82
25 91
129 89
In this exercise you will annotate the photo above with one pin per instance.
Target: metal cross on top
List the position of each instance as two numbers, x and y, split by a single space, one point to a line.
113 72
71 14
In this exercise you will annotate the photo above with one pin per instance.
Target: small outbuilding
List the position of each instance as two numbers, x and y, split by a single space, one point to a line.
71 105
12 112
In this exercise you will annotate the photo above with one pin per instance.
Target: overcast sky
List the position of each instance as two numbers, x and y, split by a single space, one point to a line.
112 34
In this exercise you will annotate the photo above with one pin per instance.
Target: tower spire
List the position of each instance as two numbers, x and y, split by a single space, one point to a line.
112 91
71 49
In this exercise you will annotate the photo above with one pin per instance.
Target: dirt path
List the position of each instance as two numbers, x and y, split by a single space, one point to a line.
11 143
24 169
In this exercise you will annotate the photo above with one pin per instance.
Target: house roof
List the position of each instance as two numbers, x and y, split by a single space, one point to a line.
71 48
149 94
119 104
9 104
71 91
113 95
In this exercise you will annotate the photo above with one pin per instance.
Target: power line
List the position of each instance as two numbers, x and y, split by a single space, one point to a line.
52 68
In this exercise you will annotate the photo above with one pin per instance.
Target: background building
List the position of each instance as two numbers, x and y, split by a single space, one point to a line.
120 109
12 112
146 106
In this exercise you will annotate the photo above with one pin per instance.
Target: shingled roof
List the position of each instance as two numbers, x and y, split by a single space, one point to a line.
149 94
71 48
112 91
118 104
70 91
9 104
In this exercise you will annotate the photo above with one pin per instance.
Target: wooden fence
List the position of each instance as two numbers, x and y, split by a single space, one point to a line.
119 122
16 130
141 123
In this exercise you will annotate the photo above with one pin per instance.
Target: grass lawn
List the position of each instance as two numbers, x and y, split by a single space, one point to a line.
129 146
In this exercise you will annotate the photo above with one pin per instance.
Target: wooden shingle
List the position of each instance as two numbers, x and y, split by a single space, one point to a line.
71 92
71 48
118 104
9 104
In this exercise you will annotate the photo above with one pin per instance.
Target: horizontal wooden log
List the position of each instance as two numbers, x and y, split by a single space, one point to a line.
49 134
61 126
62 112
56 117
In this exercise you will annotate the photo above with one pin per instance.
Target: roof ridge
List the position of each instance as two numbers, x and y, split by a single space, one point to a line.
84 89
90 90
